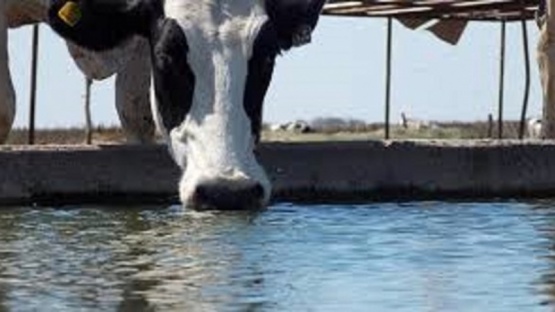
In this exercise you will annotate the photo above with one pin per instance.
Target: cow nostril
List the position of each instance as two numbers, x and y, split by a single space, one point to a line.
257 191
228 195
202 192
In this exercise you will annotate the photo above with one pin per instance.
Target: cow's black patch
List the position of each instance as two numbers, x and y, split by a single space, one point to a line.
174 81
104 24
289 15
261 67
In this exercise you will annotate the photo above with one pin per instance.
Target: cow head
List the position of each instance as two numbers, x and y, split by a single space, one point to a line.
212 64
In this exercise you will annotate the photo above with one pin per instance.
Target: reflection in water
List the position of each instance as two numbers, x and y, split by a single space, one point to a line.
391 257
543 219
129 260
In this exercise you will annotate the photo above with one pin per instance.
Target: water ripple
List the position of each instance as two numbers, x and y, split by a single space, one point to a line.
430 256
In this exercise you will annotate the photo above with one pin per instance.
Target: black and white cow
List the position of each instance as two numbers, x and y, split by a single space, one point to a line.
212 62
129 61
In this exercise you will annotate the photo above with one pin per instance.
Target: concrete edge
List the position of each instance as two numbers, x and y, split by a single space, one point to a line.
324 172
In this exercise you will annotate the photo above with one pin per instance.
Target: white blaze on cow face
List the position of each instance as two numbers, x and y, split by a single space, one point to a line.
215 143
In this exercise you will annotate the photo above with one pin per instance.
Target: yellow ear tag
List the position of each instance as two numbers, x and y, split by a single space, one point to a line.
70 13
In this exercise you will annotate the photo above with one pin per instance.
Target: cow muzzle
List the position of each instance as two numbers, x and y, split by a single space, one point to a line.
224 194
240 185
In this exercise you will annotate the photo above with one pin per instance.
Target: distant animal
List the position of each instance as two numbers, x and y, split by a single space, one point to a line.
212 63
277 127
415 124
534 128
298 126
130 61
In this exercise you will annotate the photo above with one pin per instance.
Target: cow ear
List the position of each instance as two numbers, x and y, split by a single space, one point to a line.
102 24
294 20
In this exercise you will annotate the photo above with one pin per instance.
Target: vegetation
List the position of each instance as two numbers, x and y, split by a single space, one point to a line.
101 134
337 129
331 129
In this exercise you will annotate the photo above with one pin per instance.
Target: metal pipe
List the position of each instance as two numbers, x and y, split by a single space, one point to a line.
501 81
33 96
88 119
388 78
526 81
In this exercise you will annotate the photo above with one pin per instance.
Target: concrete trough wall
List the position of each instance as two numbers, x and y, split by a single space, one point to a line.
317 172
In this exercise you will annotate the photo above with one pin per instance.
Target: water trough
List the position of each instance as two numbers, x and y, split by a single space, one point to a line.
320 172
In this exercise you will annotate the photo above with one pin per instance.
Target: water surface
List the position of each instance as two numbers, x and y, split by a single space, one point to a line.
429 256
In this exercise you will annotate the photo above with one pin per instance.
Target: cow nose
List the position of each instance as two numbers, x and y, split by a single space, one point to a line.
228 195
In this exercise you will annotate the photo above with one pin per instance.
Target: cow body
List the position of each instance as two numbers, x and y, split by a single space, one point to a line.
534 128
25 12
212 62
130 61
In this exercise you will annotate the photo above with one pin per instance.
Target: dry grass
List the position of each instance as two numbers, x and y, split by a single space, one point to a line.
446 130
104 135
375 131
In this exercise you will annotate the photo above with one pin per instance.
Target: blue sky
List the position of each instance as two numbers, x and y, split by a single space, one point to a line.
341 74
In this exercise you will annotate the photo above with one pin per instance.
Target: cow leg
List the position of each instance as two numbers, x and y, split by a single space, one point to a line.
132 96
7 94
546 63
545 53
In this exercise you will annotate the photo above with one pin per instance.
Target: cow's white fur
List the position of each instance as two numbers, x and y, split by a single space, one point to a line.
216 134
130 61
